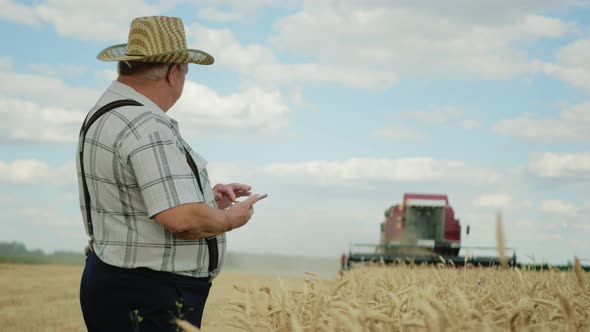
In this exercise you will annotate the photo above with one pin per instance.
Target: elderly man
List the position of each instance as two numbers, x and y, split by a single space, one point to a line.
156 227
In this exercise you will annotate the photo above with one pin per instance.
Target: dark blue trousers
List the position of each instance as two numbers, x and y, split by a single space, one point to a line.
138 300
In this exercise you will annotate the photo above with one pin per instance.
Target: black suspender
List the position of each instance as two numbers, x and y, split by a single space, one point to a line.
85 126
211 242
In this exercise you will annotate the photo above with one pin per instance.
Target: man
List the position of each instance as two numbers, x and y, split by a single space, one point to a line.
156 227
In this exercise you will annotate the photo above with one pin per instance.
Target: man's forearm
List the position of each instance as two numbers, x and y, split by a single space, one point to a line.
195 221
205 221
199 220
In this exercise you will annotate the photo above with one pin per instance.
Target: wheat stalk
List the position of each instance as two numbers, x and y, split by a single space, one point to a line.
417 298
500 241
186 326
578 272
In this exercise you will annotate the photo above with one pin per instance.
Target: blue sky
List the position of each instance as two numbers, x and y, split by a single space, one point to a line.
333 108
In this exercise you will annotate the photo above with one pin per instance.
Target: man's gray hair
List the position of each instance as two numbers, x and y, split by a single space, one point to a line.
152 71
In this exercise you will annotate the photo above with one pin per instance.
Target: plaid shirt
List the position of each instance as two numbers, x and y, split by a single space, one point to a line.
136 167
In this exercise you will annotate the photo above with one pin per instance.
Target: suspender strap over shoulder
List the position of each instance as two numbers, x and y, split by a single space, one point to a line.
85 126
211 242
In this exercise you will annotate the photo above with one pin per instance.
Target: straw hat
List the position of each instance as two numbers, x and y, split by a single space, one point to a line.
156 39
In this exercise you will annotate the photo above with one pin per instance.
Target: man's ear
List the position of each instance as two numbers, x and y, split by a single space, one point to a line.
172 73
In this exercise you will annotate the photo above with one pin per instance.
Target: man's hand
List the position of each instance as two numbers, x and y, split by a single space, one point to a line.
198 220
240 213
226 194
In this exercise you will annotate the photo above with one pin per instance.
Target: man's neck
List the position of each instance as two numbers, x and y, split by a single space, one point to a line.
153 90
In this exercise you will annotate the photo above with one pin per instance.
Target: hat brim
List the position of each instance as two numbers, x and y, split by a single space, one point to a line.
118 53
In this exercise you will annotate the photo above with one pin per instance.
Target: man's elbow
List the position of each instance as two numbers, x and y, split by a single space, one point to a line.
187 222
183 230
174 220
174 227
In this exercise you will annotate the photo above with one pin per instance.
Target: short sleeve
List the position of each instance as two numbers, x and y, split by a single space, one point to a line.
161 170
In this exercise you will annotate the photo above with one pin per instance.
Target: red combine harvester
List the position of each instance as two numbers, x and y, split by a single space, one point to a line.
422 229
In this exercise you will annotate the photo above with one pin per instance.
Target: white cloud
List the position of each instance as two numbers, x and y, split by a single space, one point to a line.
109 19
571 64
524 224
433 116
559 208
550 237
470 124
491 12
107 75
576 77
553 226
59 70
319 73
27 121
236 10
572 125
298 99
50 217
440 115
536 26
5 200
34 171
360 171
401 133
341 38
5 63
216 15
94 19
581 247
33 108
202 110
227 50
437 116
226 173
582 227
421 39
18 13
327 226
244 5
573 166
575 53
46 91
261 63
495 200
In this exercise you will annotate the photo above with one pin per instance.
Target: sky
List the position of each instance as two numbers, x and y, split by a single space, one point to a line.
333 108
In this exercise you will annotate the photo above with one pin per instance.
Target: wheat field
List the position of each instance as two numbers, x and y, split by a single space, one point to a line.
45 297
434 298
372 298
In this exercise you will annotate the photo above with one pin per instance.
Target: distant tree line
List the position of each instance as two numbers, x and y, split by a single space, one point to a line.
16 252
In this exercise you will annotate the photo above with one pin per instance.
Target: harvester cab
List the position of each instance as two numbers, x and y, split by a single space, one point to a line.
422 229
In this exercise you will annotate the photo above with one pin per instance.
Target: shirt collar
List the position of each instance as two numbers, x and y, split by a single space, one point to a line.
127 91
